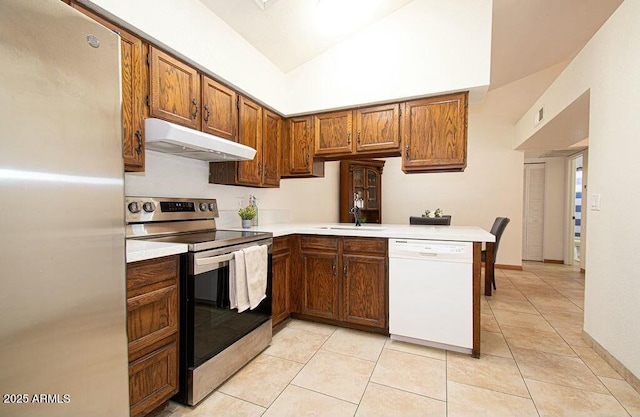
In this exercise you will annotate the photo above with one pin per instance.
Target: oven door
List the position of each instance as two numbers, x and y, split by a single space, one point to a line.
209 325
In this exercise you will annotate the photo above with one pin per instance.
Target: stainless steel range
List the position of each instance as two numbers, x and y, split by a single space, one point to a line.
215 340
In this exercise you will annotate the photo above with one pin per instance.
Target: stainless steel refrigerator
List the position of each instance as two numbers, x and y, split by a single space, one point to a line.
63 342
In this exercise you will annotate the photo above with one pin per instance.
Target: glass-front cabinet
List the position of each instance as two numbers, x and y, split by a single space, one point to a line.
361 178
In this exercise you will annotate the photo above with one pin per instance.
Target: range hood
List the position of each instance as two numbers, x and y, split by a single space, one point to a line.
163 136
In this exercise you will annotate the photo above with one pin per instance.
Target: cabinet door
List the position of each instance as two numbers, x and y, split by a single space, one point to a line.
319 284
378 129
434 134
271 139
250 134
219 110
332 133
281 276
153 379
175 90
133 93
151 317
300 145
372 194
364 292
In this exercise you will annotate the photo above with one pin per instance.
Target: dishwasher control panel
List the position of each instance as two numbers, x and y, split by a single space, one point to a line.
431 249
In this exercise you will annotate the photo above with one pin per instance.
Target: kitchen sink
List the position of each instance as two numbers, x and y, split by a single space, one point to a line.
351 227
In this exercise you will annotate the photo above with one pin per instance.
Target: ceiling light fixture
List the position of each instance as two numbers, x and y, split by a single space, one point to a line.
264 4
337 17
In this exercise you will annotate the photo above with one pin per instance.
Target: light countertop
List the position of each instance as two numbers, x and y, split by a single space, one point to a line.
140 250
398 231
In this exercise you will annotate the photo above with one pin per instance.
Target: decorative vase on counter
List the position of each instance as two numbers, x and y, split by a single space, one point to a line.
246 224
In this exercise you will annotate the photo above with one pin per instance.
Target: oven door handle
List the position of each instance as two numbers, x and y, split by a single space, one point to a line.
214 259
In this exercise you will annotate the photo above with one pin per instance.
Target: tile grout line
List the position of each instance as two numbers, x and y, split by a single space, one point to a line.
512 355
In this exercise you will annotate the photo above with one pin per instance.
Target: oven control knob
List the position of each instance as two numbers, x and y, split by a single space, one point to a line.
203 206
212 207
149 207
134 207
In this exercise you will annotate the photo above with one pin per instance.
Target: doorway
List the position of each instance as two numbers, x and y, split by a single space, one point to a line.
533 212
576 226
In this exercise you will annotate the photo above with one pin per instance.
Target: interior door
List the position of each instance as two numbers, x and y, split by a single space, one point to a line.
533 213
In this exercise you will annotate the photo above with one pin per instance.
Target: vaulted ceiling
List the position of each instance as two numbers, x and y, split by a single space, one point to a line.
532 40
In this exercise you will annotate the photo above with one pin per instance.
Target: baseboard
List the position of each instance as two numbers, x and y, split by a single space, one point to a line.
633 380
512 267
553 261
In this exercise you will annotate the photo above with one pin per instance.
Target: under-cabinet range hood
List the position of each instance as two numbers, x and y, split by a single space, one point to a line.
163 136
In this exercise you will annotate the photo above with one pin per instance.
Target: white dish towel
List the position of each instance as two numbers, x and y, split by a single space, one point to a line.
248 278
256 264
238 291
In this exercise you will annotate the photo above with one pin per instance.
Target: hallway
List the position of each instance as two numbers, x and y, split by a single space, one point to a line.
534 363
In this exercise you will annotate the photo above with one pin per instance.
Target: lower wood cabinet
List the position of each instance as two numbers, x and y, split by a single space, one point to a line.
152 331
281 266
364 281
345 279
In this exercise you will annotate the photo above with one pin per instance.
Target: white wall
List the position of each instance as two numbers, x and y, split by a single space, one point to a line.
608 65
424 48
297 200
555 200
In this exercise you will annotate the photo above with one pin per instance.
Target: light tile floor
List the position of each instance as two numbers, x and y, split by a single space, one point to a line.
534 363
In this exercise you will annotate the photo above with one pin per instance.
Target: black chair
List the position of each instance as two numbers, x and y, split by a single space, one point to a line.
497 230
438 221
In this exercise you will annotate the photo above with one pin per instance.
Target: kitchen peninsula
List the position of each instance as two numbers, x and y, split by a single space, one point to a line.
339 274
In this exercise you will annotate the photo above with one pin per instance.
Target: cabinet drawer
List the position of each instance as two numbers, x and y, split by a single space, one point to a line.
365 245
281 244
153 379
151 317
157 273
319 242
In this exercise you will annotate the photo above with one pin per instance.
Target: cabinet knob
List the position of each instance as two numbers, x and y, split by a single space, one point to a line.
206 116
406 154
334 268
348 138
307 159
358 137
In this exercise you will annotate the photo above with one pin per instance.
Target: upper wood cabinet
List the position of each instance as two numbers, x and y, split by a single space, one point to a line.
378 129
434 134
250 134
260 129
271 148
372 131
219 109
332 133
298 154
134 91
175 90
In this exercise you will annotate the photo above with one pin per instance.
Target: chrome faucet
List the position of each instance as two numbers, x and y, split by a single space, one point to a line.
358 203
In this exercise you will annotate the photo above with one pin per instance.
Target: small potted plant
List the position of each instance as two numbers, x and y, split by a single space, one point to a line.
247 214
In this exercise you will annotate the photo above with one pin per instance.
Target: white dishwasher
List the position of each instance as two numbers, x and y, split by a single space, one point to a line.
431 293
